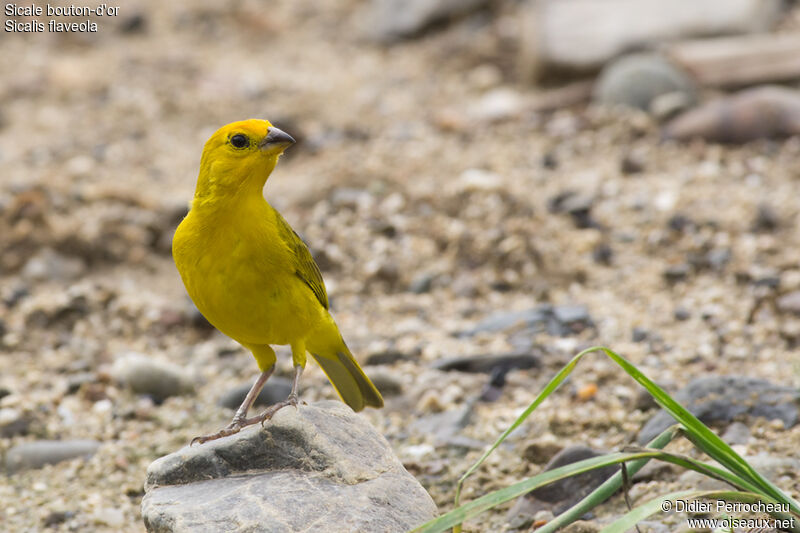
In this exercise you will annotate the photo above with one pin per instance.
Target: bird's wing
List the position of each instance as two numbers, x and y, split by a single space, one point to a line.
305 267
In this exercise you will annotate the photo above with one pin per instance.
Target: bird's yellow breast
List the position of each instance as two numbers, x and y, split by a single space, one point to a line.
241 275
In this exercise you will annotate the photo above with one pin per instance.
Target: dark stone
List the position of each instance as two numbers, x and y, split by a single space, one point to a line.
631 164
488 363
602 254
563 494
675 273
766 219
680 223
387 383
18 425
549 161
639 334
133 23
389 357
57 517
681 314
578 206
422 283
724 398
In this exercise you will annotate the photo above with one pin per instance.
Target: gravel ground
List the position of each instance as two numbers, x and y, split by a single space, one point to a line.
428 210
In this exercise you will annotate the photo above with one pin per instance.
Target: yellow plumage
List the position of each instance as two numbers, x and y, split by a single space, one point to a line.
250 274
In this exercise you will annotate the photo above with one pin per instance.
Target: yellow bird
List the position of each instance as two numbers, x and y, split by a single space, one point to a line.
252 277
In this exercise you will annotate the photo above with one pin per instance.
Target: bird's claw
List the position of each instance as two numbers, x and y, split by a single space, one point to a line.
292 400
231 429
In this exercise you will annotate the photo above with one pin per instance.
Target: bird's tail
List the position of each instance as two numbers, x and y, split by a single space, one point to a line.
354 387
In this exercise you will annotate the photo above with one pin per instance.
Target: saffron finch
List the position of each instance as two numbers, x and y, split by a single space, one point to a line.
252 276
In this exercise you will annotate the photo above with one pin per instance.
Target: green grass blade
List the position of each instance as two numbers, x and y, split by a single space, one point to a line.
493 499
738 472
608 488
651 507
549 388
701 435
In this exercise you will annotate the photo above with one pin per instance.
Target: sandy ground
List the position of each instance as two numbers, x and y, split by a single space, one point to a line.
399 175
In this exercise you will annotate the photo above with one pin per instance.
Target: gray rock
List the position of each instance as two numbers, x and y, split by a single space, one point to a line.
276 390
585 34
571 314
444 426
503 320
144 375
737 433
387 382
316 468
422 283
36 454
637 80
667 106
722 398
13 422
50 265
388 357
765 112
558 321
396 19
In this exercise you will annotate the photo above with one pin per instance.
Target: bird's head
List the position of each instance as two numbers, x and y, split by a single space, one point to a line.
239 158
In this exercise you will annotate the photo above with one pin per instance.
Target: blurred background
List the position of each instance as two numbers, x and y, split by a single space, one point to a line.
488 186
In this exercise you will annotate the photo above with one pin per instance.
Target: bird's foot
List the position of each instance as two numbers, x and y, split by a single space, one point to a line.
231 429
292 399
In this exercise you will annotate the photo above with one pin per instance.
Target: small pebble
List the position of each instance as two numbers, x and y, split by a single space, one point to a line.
145 375
36 454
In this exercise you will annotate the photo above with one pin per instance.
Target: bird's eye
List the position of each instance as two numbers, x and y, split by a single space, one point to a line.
239 140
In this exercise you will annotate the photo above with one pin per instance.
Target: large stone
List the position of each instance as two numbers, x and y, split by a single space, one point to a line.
764 112
637 80
723 398
38 453
396 19
584 34
316 468
564 493
157 379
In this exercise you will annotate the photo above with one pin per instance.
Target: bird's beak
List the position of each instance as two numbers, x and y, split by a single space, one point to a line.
276 140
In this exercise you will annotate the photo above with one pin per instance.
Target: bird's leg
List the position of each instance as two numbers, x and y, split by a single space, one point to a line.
292 399
239 419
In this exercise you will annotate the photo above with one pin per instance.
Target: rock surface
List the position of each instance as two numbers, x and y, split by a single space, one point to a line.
722 398
765 112
584 34
638 79
318 468
396 19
